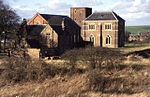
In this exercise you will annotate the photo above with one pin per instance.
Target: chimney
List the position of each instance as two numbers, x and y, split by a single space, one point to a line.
63 24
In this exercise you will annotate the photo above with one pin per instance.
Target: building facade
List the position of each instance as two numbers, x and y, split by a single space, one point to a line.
78 14
53 31
104 29
101 29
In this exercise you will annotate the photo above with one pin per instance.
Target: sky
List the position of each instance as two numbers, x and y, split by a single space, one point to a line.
135 12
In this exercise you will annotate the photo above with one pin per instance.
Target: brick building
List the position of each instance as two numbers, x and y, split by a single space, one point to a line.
104 29
78 14
53 31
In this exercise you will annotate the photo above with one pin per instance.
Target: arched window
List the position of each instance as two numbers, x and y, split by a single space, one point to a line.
47 36
108 39
92 39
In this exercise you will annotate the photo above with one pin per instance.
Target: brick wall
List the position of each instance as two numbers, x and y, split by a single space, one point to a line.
53 37
37 19
116 40
79 14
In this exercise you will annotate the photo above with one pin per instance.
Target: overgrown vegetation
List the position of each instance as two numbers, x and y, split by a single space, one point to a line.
94 57
104 73
21 70
122 80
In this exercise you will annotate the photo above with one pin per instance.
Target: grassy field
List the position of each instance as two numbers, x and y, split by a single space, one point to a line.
3 54
136 29
131 47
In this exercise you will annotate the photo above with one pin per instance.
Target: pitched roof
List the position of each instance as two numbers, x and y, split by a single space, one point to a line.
104 16
57 19
82 7
35 29
57 28
53 19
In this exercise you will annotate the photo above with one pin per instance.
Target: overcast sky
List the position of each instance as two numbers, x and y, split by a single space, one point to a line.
135 12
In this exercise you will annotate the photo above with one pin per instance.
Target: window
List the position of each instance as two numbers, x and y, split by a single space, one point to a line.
92 27
92 39
108 39
84 35
47 36
74 38
85 28
108 26
37 23
80 14
75 10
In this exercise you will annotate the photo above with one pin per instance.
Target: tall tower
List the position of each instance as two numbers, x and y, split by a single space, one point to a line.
78 14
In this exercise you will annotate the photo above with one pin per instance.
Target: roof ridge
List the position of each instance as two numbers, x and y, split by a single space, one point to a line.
37 24
110 15
114 15
54 15
118 17
88 16
55 24
102 11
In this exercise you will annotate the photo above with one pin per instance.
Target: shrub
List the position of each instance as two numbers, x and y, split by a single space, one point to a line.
72 57
95 57
98 57
18 70
95 80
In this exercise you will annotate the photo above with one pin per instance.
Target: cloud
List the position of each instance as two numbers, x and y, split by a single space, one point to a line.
88 3
26 12
23 8
57 4
58 7
132 11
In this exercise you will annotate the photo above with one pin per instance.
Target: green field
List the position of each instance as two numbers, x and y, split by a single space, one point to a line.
136 29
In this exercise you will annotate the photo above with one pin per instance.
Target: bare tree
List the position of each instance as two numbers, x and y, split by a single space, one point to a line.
9 21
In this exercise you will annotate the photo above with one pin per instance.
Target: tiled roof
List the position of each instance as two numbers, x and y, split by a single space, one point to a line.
57 28
53 19
57 19
35 29
104 16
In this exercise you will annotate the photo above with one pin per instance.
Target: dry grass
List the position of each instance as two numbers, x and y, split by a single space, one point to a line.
135 59
126 82
129 80
133 49
24 70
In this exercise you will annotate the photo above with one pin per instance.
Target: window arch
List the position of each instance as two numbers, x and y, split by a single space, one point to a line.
108 39
92 39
